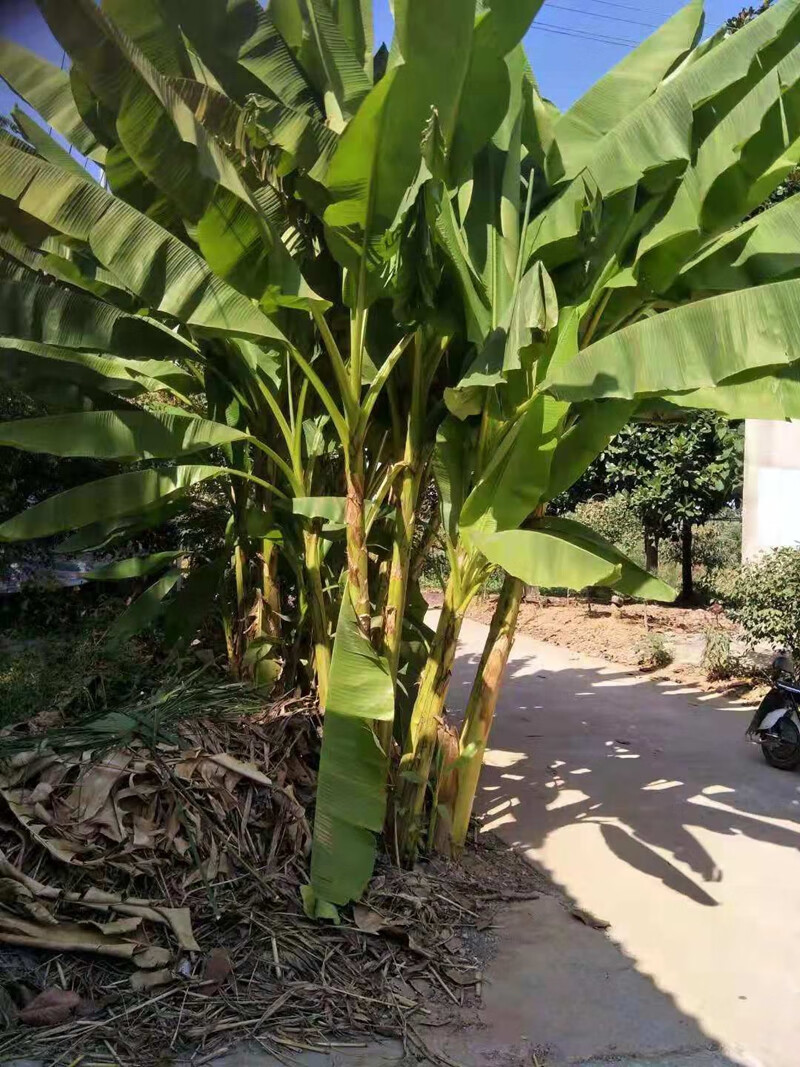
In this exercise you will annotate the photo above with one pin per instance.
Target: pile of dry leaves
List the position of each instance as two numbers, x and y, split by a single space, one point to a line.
149 901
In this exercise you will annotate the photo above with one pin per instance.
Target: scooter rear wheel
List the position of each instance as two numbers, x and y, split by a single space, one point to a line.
783 754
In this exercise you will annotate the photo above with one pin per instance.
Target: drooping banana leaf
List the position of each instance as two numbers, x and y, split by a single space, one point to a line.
47 89
145 609
562 553
34 311
108 498
79 272
136 567
122 435
25 362
147 259
737 166
351 787
104 534
692 347
767 393
628 84
764 249
46 146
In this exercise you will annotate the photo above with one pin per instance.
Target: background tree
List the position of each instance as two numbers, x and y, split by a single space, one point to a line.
675 475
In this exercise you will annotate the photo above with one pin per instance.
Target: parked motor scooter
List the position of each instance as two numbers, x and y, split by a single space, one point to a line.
776 724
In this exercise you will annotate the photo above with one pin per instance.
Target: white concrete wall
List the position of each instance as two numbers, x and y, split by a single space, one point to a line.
771 498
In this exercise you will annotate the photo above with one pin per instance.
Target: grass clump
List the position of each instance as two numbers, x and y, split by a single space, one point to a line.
653 652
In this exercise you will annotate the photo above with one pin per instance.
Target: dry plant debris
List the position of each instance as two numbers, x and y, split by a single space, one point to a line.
159 889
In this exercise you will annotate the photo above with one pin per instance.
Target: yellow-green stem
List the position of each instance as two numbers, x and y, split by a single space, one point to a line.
238 566
405 517
357 558
415 767
319 618
271 620
482 704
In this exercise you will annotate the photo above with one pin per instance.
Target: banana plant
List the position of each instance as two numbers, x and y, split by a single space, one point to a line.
644 294
263 223
328 276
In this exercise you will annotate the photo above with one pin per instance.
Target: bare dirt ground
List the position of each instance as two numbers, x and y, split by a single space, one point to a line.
617 634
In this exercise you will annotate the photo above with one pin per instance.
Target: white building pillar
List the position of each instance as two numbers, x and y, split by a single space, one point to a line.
771 496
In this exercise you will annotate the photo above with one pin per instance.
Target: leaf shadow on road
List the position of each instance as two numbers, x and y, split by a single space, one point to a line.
606 746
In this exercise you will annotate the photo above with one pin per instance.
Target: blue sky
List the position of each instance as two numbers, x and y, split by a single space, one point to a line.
571 44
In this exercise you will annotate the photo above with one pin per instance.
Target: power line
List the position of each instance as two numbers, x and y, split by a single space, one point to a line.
565 32
613 3
642 9
598 15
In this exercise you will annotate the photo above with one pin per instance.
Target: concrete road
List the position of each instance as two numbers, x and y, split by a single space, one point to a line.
644 803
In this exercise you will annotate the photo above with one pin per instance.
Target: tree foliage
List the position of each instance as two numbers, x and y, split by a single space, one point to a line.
674 476
766 600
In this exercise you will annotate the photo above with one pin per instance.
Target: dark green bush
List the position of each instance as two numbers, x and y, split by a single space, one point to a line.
766 599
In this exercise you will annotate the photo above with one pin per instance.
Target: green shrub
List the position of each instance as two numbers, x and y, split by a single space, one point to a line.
717 545
766 599
720 585
653 652
613 519
718 661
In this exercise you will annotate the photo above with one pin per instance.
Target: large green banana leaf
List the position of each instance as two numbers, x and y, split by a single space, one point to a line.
47 89
123 435
34 311
147 259
584 440
337 70
691 347
379 153
247 54
737 166
57 262
109 498
628 84
351 787
104 534
654 142
561 553
764 249
26 360
136 567
768 393
45 145
485 96
355 21
450 468
145 609
146 24
517 477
